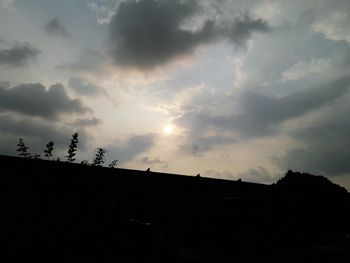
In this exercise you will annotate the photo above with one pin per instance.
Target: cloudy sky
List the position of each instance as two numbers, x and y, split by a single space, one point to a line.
225 88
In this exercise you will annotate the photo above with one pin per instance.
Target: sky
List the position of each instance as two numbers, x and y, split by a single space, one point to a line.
225 88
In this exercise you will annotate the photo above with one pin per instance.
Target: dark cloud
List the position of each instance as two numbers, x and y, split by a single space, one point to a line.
55 28
87 122
196 145
36 100
83 87
88 60
132 147
19 55
155 161
326 145
36 134
147 33
259 175
261 115
244 26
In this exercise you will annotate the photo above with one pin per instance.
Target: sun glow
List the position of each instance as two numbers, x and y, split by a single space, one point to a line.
168 129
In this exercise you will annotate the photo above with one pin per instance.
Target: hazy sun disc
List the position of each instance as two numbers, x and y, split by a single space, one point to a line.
168 129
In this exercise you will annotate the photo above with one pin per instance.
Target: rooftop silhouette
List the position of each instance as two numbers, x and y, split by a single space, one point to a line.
67 212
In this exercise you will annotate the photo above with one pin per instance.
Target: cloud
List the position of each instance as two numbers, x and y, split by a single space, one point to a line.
334 27
244 26
88 60
87 122
132 147
18 56
260 115
54 27
148 33
155 161
7 3
302 69
83 87
259 175
36 134
36 100
197 145
325 144
104 13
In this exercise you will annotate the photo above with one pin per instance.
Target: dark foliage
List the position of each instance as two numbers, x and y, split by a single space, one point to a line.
49 149
99 157
22 149
85 162
72 148
113 164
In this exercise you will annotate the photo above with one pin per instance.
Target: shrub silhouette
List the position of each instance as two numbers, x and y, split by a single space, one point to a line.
49 149
22 149
72 148
113 164
85 162
99 157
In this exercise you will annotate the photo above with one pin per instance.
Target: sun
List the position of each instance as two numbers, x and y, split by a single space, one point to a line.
168 129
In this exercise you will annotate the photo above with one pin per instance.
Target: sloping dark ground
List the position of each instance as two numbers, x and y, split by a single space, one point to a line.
62 212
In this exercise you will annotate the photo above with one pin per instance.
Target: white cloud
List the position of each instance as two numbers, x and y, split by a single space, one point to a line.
302 69
334 27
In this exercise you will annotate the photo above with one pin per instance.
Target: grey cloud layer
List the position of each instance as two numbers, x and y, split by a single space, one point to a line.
36 100
36 134
260 115
83 87
155 161
19 55
147 33
132 147
88 60
325 145
55 28
244 26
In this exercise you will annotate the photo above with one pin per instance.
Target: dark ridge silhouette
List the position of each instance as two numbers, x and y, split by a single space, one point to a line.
68 212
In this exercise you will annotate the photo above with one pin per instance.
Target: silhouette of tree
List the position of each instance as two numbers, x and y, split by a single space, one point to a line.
22 149
48 150
99 157
113 164
84 162
72 148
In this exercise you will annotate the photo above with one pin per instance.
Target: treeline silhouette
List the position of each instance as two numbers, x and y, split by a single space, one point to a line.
98 160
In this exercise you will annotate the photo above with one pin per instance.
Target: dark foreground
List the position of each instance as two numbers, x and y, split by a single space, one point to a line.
61 212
